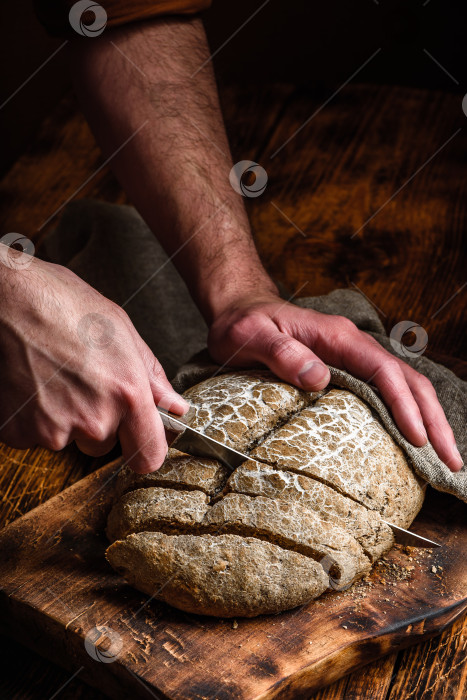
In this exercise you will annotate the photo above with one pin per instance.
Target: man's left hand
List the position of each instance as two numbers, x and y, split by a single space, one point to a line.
296 343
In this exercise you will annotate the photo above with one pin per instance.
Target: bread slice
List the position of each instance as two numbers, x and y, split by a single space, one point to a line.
179 471
285 523
366 526
225 575
339 441
158 509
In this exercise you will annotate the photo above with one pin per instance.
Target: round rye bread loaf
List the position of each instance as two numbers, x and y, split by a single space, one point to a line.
274 533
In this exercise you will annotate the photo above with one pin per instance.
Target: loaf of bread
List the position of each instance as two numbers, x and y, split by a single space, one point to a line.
302 515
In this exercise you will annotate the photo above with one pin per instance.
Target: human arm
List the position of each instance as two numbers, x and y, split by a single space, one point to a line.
73 368
153 82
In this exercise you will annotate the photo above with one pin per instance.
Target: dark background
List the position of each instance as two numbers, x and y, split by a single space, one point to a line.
314 44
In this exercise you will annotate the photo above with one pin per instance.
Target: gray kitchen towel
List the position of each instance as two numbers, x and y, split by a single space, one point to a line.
111 248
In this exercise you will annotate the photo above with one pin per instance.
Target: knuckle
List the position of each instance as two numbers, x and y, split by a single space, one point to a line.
281 347
344 324
342 332
390 366
390 380
120 313
423 384
96 431
49 431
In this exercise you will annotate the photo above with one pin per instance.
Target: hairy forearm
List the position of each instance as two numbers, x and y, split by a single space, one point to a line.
176 167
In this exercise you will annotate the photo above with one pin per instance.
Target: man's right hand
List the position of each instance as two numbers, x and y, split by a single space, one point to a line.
73 367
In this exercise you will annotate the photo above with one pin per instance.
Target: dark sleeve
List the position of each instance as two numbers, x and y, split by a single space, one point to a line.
55 14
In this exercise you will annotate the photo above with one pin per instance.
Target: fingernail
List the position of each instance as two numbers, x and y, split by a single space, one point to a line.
312 374
174 403
185 406
422 431
456 462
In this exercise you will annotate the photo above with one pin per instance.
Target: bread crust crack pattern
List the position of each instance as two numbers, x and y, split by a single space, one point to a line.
275 533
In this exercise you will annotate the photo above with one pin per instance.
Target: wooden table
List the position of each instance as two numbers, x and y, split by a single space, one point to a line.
383 163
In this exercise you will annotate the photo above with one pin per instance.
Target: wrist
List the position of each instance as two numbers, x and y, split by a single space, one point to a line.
235 289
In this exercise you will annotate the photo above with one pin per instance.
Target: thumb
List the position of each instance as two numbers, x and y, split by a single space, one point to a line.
288 358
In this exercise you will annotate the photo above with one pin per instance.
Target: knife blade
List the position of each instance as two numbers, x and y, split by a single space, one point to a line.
193 442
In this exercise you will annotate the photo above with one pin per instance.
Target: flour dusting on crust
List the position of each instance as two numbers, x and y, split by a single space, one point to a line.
238 409
339 441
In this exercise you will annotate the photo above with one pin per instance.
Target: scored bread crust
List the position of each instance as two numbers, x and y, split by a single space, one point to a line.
309 520
339 441
156 509
238 409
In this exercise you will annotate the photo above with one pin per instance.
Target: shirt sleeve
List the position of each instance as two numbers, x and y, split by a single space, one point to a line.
55 15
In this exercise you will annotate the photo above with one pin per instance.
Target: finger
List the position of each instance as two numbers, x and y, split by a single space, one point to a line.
162 390
94 436
439 431
390 381
288 358
366 359
95 448
142 437
53 439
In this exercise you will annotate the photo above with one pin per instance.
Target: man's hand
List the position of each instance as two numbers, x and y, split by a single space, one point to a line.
294 343
73 367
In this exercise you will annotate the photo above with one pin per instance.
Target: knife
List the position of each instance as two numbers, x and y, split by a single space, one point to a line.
192 442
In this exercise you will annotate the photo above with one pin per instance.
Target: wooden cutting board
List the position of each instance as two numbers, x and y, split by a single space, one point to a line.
56 588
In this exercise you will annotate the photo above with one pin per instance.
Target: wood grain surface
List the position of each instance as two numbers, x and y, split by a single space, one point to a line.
56 588
354 155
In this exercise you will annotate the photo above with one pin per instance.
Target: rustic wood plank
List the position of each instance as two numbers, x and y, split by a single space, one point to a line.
30 477
436 669
371 682
28 676
54 170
